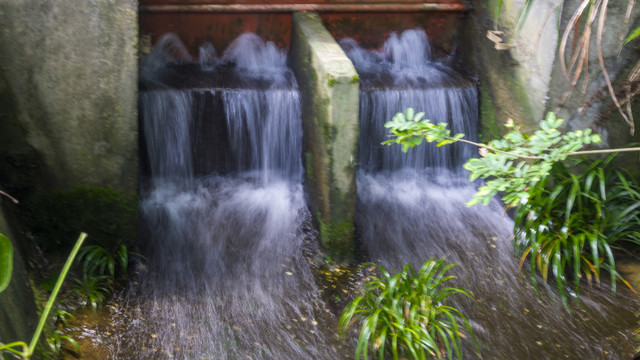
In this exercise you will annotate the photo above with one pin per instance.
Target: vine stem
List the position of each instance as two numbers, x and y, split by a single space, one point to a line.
533 157
54 294
484 146
604 151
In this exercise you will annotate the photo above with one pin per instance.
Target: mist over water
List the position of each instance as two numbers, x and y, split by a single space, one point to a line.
225 225
411 207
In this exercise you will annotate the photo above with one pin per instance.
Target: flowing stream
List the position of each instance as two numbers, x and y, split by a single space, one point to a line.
411 207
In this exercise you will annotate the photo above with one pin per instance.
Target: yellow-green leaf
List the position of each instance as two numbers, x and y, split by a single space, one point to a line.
6 261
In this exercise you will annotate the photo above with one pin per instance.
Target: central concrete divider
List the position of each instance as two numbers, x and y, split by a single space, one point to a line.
329 86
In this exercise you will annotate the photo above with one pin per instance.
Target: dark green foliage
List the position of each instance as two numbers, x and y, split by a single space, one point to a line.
406 314
56 339
573 221
108 215
60 317
336 237
97 260
92 289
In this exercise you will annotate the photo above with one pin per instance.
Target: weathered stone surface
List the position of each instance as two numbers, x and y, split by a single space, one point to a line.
329 85
533 48
503 95
71 69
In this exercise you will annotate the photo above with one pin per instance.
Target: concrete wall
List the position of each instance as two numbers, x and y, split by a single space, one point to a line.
68 113
330 101
69 69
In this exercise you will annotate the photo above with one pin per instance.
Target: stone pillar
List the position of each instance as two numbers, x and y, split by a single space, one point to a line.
329 86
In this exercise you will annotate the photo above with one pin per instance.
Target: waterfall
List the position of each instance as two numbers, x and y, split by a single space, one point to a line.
225 226
404 75
411 207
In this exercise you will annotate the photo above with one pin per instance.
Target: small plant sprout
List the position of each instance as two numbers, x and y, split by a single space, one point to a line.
98 260
92 289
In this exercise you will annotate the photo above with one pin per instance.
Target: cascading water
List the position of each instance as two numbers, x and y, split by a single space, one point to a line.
411 207
223 211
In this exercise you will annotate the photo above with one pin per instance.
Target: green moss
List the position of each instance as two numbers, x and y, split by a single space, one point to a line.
337 238
328 132
308 165
489 127
355 79
331 81
109 216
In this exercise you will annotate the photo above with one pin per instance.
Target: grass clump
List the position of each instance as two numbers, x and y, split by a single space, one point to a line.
573 221
406 314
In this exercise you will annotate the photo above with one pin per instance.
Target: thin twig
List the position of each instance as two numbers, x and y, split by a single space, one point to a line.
627 18
565 36
15 201
534 157
603 151
603 16
531 157
581 53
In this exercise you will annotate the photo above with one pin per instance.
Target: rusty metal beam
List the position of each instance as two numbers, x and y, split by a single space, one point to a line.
277 8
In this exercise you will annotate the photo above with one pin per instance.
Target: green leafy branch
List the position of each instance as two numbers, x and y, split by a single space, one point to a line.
510 166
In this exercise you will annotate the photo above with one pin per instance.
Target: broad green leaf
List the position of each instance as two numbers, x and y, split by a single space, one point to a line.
409 114
6 261
632 35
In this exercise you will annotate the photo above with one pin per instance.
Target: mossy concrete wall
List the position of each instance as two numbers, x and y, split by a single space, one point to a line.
330 101
513 82
525 80
69 70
